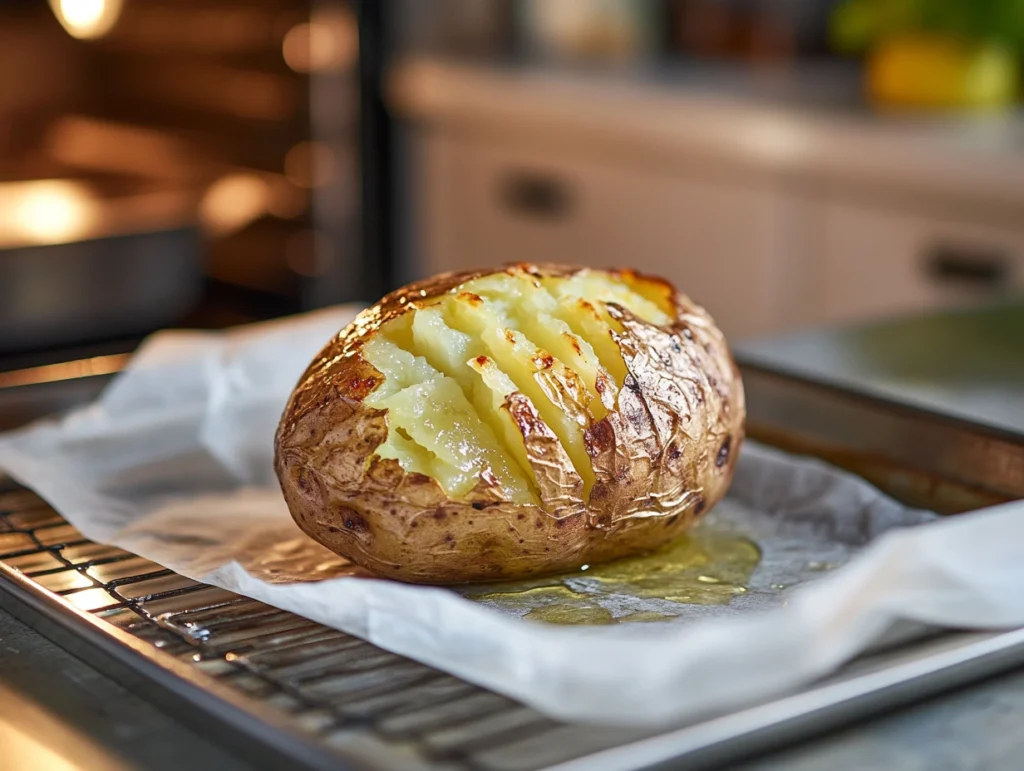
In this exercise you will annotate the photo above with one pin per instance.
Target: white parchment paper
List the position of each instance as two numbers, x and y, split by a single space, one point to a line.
174 463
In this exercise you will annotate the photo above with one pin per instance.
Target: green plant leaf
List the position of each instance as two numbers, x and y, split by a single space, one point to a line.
856 25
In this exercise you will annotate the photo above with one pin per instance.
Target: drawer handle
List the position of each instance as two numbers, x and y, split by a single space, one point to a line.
536 195
979 268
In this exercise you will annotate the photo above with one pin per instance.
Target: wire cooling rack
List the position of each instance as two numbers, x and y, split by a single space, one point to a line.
335 689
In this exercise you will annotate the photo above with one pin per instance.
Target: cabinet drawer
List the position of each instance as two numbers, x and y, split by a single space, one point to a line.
493 202
878 263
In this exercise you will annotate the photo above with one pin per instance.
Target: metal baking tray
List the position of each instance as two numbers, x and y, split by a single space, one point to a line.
283 691
107 286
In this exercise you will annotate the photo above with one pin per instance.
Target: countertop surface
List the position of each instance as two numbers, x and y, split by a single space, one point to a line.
967 364
811 125
58 713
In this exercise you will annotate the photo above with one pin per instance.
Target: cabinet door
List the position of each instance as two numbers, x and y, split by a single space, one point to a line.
877 262
719 240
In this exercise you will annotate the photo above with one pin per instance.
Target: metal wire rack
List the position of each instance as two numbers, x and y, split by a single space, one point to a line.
336 689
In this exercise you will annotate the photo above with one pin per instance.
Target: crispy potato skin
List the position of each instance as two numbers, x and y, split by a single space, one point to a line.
662 457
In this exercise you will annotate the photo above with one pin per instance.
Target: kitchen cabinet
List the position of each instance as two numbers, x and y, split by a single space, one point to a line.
774 217
488 201
874 261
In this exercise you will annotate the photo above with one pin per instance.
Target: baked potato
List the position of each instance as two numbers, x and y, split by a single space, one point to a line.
501 424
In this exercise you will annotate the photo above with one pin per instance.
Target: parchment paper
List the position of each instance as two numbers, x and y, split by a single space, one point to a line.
174 463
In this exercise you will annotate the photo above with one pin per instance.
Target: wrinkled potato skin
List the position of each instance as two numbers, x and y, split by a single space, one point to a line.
663 457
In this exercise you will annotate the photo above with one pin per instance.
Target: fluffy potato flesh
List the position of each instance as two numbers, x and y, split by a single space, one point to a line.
533 335
510 423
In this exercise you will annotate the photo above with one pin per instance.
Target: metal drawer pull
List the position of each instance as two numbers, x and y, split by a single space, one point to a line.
535 194
977 268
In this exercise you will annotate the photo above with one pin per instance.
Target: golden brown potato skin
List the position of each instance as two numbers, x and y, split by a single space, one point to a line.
662 457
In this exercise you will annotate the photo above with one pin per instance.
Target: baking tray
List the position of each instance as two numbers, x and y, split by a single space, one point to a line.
116 285
283 691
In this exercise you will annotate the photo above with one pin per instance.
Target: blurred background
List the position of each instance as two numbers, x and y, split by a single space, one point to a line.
789 164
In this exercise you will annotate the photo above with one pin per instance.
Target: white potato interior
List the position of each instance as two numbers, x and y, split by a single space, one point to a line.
450 365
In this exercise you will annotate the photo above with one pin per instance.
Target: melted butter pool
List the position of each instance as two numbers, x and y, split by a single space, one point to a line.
702 567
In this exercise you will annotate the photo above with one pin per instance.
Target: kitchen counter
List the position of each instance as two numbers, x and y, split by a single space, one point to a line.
810 124
966 364
778 200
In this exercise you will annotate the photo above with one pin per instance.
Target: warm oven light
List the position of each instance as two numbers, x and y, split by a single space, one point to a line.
234 201
329 41
47 211
87 19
